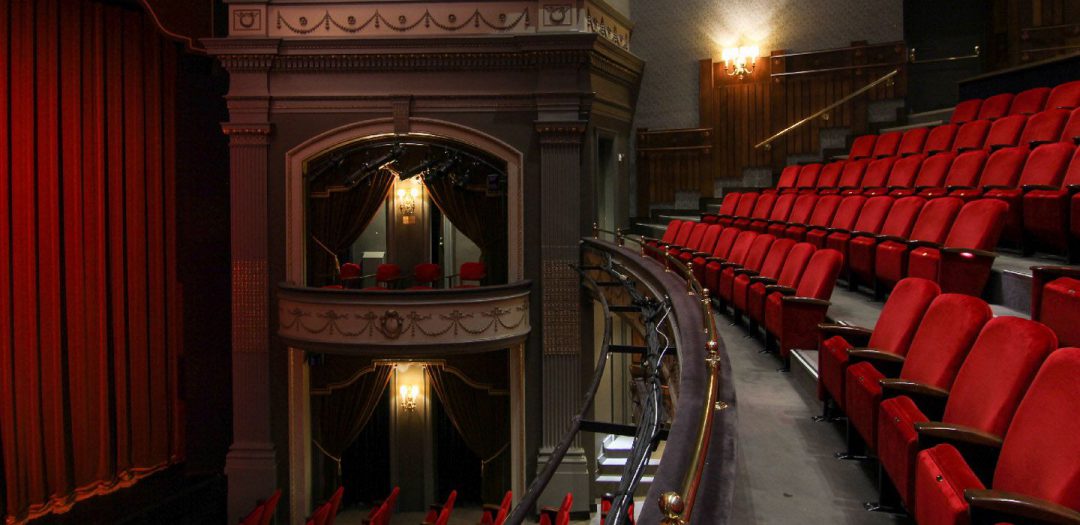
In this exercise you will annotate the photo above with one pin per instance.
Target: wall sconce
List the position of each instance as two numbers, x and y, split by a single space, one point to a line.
740 61
406 201
408 395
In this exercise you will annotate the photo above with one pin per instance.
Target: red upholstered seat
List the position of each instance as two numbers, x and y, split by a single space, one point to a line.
670 233
1005 131
1064 96
971 136
792 315
255 516
720 251
737 255
808 177
781 209
269 507
887 144
983 396
902 176
820 217
829 177
871 219
940 139
995 107
685 229
874 178
932 226
862 248
912 142
800 213
1046 211
704 246
931 174
744 209
727 208
762 208
697 232
788 176
385 275
893 333
470 274
963 173
1002 170
381 514
560 516
440 515
790 273
1071 132
755 256
770 269
844 219
1043 170
862 147
1044 127
947 331
1037 465
497 515
1055 301
962 264
966 111
850 177
425 275
1029 102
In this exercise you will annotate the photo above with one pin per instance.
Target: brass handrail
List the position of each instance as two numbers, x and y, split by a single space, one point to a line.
912 60
828 108
678 506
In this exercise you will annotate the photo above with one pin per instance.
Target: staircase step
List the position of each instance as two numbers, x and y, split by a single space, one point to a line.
907 127
927 117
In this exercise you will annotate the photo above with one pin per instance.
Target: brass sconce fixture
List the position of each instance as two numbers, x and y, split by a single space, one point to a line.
407 395
740 61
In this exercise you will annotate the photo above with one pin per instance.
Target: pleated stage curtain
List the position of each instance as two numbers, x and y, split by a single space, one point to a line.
336 218
481 218
90 304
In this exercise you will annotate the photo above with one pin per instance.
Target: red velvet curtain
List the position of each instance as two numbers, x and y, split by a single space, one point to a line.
89 300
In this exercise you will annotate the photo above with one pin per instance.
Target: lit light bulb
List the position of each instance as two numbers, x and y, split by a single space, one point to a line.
401 194
415 192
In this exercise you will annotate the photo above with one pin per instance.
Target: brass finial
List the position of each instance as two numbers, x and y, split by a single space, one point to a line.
595 231
690 277
671 505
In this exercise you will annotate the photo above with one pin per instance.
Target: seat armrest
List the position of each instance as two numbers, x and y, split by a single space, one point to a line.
745 271
1056 271
989 187
989 507
835 230
979 449
1032 187
857 233
888 364
1036 143
759 279
995 147
715 259
950 189
972 251
701 254
786 290
729 264
492 507
930 399
916 243
893 238
1072 188
812 301
855 335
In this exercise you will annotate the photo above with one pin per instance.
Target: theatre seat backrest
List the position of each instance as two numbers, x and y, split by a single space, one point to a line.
803 208
934 169
725 242
830 174
901 315
808 176
935 219
795 264
1038 457
1072 173
741 247
978 225
966 168
781 210
1003 167
763 206
1046 165
877 172
853 172
755 256
901 217
905 170
997 372
862 147
940 138
971 135
747 201
824 210
1006 131
684 233
1064 96
948 331
1072 128
672 230
788 177
774 260
820 275
708 241
966 111
872 215
696 233
1029 101
996 106
913 141
728 205
848 212
886 144
1044 127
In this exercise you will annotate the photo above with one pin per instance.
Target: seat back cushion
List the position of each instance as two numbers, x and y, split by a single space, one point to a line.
820 275
935 219
1003 167
966 111
913 141
1065 96
978 225
848 212
774 260
902 314
1044 126
781 210
933 170
905 170
940 138
901 217
1006 131
873 213
966 168
1029 101
795 264
824 210
996 106
755 256
804 206
829 176
948 331
971 135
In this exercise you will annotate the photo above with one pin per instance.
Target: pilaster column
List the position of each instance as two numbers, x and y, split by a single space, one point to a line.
560 230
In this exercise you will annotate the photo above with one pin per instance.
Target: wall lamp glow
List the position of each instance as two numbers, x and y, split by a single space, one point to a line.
740 61
408 396
406 201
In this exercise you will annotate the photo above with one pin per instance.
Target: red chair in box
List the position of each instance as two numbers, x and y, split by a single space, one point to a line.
1044 127
940 139
963 173
792 314
850 177
425 275
966 111
704 245
755 257
720 251
762 208
770 268
1002 170
559 516
1005 132
1029 102
496 514
862 147
1046 212
808 177
820 217
471 271
715 265
871 218
781 210
669 235
980 403
862 247
440 514
727 208
1064 96
971 136
829 177
387 275
901 177
1043 170
995 107
844 219
790 273
962 264
932 226
892 334
932 173
875 178
1055 301
679 241
689 245
912 141
747 201
1036 472
800 213
946 333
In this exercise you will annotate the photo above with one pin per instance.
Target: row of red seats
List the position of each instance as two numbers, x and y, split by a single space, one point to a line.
951 401
425 276
380 514
1063 96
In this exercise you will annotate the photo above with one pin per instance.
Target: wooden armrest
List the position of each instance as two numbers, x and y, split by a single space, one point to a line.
786 290
857 233
834 230
729 264
701 254
972 251
887 363
930 399
1072 188
953 188
1056 271
806 300
492 507
745 271
915 243
989 507
759 279
855 335
979 449
989 187
1033 187
893 238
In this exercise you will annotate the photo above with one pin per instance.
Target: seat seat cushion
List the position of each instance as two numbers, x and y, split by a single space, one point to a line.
863 395
832 364
897 443
924 262
941 478
1045 217
890 262
860 258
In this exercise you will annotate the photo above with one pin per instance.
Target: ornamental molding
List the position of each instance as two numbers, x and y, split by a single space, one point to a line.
561 132
447 61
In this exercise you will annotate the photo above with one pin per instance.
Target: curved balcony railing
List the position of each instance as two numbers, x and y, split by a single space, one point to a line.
412 322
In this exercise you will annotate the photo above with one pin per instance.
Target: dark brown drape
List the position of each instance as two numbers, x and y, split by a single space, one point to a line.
481 218
481 414
343 409
89 294
337 217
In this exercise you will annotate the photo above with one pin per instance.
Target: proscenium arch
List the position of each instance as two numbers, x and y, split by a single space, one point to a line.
296 259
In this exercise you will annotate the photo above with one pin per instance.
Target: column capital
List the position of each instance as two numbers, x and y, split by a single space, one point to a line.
565 132
246 134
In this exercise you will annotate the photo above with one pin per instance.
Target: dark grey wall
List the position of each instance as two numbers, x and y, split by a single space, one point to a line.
673 36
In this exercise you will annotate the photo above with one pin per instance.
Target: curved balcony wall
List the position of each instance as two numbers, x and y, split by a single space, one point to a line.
411 323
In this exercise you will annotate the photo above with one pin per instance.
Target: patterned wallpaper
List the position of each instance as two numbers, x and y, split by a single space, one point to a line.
673 35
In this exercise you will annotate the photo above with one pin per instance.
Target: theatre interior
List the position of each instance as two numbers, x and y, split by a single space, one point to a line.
567 262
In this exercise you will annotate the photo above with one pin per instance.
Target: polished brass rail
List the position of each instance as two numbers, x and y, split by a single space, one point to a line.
913 60
678 506
887 77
